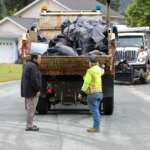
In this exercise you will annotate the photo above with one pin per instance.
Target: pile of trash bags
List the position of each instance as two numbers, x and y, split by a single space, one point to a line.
85 36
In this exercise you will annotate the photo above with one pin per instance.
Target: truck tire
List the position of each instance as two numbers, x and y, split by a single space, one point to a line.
42 106
108 106
145 78
142 80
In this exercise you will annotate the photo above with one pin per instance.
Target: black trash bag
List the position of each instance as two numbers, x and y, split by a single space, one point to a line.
75 35
103 45
52 43
94 28
83 40
85 33
70 32
96 52
41 39
65 24
97 34
86 45
50 52
59 38
61 49
79 51
65 50
88 33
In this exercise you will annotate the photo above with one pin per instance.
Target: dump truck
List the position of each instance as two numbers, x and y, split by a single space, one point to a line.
62 76
132 64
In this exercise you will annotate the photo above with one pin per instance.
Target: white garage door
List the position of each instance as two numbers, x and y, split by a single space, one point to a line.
8 51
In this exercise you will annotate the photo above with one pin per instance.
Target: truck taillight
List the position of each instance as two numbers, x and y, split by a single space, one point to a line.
49 90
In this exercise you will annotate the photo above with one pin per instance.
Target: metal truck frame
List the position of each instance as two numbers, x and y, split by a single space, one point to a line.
62 77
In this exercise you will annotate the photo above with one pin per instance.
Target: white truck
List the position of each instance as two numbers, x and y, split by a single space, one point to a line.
132 63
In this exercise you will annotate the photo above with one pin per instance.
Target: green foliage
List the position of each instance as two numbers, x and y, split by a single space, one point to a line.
103 1
138 13
3 9
115 4
9 7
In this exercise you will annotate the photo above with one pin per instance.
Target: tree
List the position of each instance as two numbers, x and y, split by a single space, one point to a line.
115 4
3 9
9 7
15 5
138 13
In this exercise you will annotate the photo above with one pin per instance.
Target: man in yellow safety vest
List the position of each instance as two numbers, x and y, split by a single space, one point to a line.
92 88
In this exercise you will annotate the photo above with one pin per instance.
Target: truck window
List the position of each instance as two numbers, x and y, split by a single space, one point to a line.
130 41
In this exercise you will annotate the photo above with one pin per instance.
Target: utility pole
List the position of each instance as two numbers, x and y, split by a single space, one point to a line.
108 25
108 14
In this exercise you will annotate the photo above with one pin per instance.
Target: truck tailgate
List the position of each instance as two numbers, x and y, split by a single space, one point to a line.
62 65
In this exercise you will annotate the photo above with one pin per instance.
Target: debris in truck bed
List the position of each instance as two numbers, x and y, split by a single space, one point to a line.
39 47
96 52
85 33
81 37
61 49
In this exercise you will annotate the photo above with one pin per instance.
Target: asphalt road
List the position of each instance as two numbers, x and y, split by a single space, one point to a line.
127 129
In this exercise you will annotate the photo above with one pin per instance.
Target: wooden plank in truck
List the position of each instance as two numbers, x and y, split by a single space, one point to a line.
53 20
50 22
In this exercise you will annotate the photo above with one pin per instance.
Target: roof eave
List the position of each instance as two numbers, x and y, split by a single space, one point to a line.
14 22
62 5
35 2
27 7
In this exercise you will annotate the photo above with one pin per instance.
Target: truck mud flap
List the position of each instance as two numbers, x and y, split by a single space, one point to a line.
107 104
108 85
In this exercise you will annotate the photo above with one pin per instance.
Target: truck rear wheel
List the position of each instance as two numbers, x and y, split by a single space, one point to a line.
107 106
42 106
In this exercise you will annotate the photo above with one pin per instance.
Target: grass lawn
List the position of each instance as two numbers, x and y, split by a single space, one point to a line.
10 72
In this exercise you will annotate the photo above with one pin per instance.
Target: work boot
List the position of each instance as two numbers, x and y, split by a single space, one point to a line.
34 128
92 130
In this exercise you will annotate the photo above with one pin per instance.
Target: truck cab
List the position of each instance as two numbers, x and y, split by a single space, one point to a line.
133 55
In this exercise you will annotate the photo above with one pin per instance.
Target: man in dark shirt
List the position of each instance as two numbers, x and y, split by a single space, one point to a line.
30 88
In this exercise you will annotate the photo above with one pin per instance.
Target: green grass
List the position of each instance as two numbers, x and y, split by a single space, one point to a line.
10 72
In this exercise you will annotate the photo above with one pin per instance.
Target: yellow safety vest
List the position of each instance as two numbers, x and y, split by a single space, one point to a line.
92 80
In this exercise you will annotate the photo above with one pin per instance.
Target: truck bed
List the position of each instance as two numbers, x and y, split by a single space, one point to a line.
71 65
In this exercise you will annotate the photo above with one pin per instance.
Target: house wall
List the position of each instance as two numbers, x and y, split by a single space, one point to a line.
8 46
34 12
